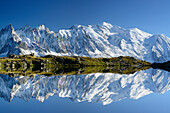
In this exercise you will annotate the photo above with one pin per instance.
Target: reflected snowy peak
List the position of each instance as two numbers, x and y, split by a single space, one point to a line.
98 87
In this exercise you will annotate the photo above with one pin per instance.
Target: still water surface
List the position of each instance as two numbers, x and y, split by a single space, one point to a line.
142 92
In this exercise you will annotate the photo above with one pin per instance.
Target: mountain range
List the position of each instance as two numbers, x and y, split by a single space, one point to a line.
103 40
104 88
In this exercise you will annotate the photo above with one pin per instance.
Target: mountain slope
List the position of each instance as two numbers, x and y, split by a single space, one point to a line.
102 40
98 87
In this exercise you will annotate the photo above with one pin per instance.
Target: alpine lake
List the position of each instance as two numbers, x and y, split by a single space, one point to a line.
50 84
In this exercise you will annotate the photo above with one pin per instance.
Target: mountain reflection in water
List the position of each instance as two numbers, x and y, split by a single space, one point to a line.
96 87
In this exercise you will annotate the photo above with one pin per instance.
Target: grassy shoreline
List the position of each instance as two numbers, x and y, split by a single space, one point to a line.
62 65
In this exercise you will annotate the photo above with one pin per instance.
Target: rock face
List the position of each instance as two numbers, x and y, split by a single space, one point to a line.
103 88
104 40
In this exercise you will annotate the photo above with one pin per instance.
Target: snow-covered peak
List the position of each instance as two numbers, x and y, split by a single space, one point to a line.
108 25
140 32
112 28
26 29
158 38
41 27
8 28
76 26
136 30
158 35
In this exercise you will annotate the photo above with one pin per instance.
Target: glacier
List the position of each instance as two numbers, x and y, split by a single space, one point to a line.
102 88
103 40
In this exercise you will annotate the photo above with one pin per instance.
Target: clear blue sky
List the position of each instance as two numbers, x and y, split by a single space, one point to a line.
152 16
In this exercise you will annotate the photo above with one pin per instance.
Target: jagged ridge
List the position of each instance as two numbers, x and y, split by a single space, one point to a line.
102 40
